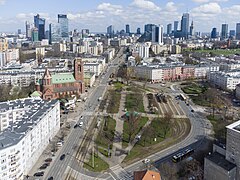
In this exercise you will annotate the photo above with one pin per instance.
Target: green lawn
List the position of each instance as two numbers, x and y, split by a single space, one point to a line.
114 101
219 126
134 102
224 52
99 164
106 135
199 100
103 151
119 85
140 124
194 88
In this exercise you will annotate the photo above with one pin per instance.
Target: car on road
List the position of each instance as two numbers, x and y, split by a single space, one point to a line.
192 110
50 178
81 117
44 166
41 173
80 124
48 160
62 157
146 161
75 126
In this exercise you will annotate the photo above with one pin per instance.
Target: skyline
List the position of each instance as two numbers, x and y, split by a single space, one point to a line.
96 15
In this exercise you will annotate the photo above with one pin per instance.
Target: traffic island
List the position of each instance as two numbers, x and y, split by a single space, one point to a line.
156 137
96 164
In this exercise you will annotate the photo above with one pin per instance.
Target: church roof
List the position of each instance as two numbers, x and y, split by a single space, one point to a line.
61 78
36 94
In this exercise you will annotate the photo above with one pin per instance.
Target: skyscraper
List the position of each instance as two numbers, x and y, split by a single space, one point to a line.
138 31
54 33
238 31
214 33
110 31
232 33
175 27
157 34
191 29
35 34
128 29
169 29
224 33
39 23
28 30
63 23
185 25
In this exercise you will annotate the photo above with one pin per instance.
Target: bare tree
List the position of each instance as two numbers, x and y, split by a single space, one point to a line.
138 59
132 120
166 122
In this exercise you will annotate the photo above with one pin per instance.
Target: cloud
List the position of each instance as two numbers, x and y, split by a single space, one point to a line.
144 4
110 8
171 6
206 1
207 9
2 2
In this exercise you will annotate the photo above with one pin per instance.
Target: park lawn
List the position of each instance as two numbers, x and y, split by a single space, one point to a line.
219 126
135 88
224 52
106 135
141 123
114 101
118 85
134 102
194 88
198 100
99 164
103 151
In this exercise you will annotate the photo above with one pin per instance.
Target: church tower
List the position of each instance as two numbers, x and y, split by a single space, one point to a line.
47 87
78 70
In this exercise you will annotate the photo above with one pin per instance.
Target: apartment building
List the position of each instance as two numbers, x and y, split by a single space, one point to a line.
3 44
27 126
225 80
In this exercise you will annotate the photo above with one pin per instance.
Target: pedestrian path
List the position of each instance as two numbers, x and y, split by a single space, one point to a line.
120 174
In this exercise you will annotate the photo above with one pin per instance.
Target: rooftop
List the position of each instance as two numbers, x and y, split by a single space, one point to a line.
35 109
234 126
220 160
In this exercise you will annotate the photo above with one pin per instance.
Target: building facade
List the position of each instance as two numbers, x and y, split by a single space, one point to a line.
62 84
27 127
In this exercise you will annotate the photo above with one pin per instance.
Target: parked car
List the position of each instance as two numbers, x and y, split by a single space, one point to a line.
146 161
62 157
44 166
75 126
80 124
48 160
50 178
41 173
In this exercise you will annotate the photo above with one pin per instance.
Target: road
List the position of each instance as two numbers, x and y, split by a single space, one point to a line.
58 167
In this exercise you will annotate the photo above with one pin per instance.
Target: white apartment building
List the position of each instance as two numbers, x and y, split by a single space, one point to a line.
229 66
225 80
27 126
233 145
202 71
152 74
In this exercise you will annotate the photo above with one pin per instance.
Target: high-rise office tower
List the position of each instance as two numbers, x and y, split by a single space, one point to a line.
63 22
238 31
19 31
169 29
35 34
28 30
191 29
39 23
110 31
185 25
175 27
214 33
85 33
157 34
232 33
224 32
128 29
148 27
55 34
138 31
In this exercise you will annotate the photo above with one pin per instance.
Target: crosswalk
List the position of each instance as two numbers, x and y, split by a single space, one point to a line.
120 174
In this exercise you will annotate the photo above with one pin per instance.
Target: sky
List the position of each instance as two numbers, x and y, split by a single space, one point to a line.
96 15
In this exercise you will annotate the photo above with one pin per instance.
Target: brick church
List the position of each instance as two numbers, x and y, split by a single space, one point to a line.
61 85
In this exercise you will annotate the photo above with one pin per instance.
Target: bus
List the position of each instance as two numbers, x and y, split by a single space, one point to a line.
182 97
182 155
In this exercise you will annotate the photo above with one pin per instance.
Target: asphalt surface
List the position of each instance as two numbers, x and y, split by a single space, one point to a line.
58 167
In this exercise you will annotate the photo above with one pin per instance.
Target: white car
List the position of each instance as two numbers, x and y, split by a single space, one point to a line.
81 117
146 161
80 124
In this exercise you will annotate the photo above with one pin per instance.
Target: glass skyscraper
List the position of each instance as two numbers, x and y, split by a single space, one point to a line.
128 28
54 33
224 33
238 31
39 23
63 23
185 25
214 33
